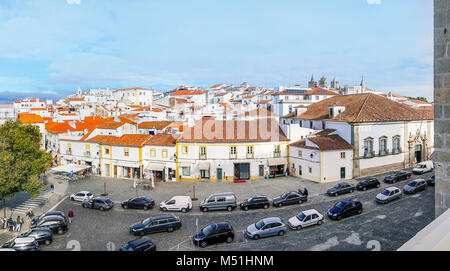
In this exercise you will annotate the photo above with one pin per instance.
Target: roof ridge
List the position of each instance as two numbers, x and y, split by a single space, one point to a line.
361 108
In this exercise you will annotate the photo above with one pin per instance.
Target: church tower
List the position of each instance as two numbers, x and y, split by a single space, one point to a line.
363 85
323 82
335 84
312 83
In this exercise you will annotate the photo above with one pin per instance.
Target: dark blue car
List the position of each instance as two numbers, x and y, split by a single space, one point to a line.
430 181
345 208
155 224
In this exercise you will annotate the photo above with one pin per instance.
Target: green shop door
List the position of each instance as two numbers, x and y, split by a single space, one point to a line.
342 172
219 174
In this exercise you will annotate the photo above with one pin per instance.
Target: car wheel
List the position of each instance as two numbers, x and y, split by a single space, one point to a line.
60 231
183 210
170 229
364 188
319 222
378 185
246 208
72 199
359 211
351 190
205 209
334 195
339 217
84 206
256 237
203 244
279 205
266 206
145 208
229 239
300 201
102 209
141 233
164 209
299 227
280 233
125 206
229 208
48 242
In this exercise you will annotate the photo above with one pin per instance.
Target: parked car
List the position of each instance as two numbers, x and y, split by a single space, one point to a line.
305 219
341 188
345 208
98 203
138 203
23 244
213 234
53 214
423 167
389 194
81 196
219 201
368 183
154 224
255 203
430 181
266 227
289 199
177 203
397 176
54 224
42 235
141 244
415 186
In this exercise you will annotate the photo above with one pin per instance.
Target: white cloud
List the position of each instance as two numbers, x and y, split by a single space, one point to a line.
73 2
370 2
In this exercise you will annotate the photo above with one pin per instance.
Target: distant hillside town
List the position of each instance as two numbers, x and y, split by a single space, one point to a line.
323 132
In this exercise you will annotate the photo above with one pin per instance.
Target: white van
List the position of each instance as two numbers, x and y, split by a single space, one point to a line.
177 203
423 167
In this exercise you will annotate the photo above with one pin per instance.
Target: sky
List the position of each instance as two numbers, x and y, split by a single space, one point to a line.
52 47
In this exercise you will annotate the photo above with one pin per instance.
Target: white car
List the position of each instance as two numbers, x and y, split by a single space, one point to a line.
305 219
81 196
389 194
423 167
177 203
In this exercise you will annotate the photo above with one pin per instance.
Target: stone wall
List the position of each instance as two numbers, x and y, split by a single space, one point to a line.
441 156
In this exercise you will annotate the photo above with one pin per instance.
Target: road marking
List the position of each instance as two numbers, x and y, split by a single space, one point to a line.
54 207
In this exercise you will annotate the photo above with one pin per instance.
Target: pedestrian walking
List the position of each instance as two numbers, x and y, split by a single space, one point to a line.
3 223
29 214
153 183
70 215
52 188
134 183
19 223
10 224
305 192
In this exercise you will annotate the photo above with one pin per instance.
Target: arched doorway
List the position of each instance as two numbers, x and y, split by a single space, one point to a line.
418 153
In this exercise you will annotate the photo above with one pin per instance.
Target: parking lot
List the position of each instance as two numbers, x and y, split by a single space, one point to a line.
379 227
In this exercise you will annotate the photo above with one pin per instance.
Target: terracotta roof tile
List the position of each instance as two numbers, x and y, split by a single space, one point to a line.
162 140
30 118
133 140
158 125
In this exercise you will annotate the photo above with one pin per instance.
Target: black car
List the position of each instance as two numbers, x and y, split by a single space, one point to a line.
141 244
138 203
154 224
345 208
341 188
289 198
430 181
56 213
54 224
42 235
397 176
255 203
368 183
213 234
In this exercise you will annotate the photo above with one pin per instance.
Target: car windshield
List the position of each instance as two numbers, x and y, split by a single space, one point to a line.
126 248
412 183
337 186
386 192
259 224
340 205
89 194
146 221
421 166
284 195
208 230
301 216
108 201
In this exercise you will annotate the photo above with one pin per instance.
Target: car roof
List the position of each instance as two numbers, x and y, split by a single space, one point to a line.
39 229
223 225
54 213
139 241
222 194
100 198
271 220
181 197
349 200
392 188
162 217
52 218
310 212
85 192
24 240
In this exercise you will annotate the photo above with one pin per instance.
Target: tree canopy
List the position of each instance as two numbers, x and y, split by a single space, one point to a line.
21 160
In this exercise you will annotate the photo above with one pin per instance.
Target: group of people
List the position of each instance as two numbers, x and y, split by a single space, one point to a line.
12 225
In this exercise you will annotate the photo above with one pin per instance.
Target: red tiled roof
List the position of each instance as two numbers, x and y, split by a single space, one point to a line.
158 125
134 140
188 92
324 143
161 140
110 125
30 118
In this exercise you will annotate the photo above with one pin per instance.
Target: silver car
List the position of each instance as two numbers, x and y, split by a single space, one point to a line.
266 227
415 186
389 194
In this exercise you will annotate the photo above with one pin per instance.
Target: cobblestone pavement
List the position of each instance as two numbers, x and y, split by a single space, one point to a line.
384 227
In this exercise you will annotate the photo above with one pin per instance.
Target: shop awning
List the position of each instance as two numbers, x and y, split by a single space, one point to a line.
204 165
185 164
70 168
155 166
277 161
